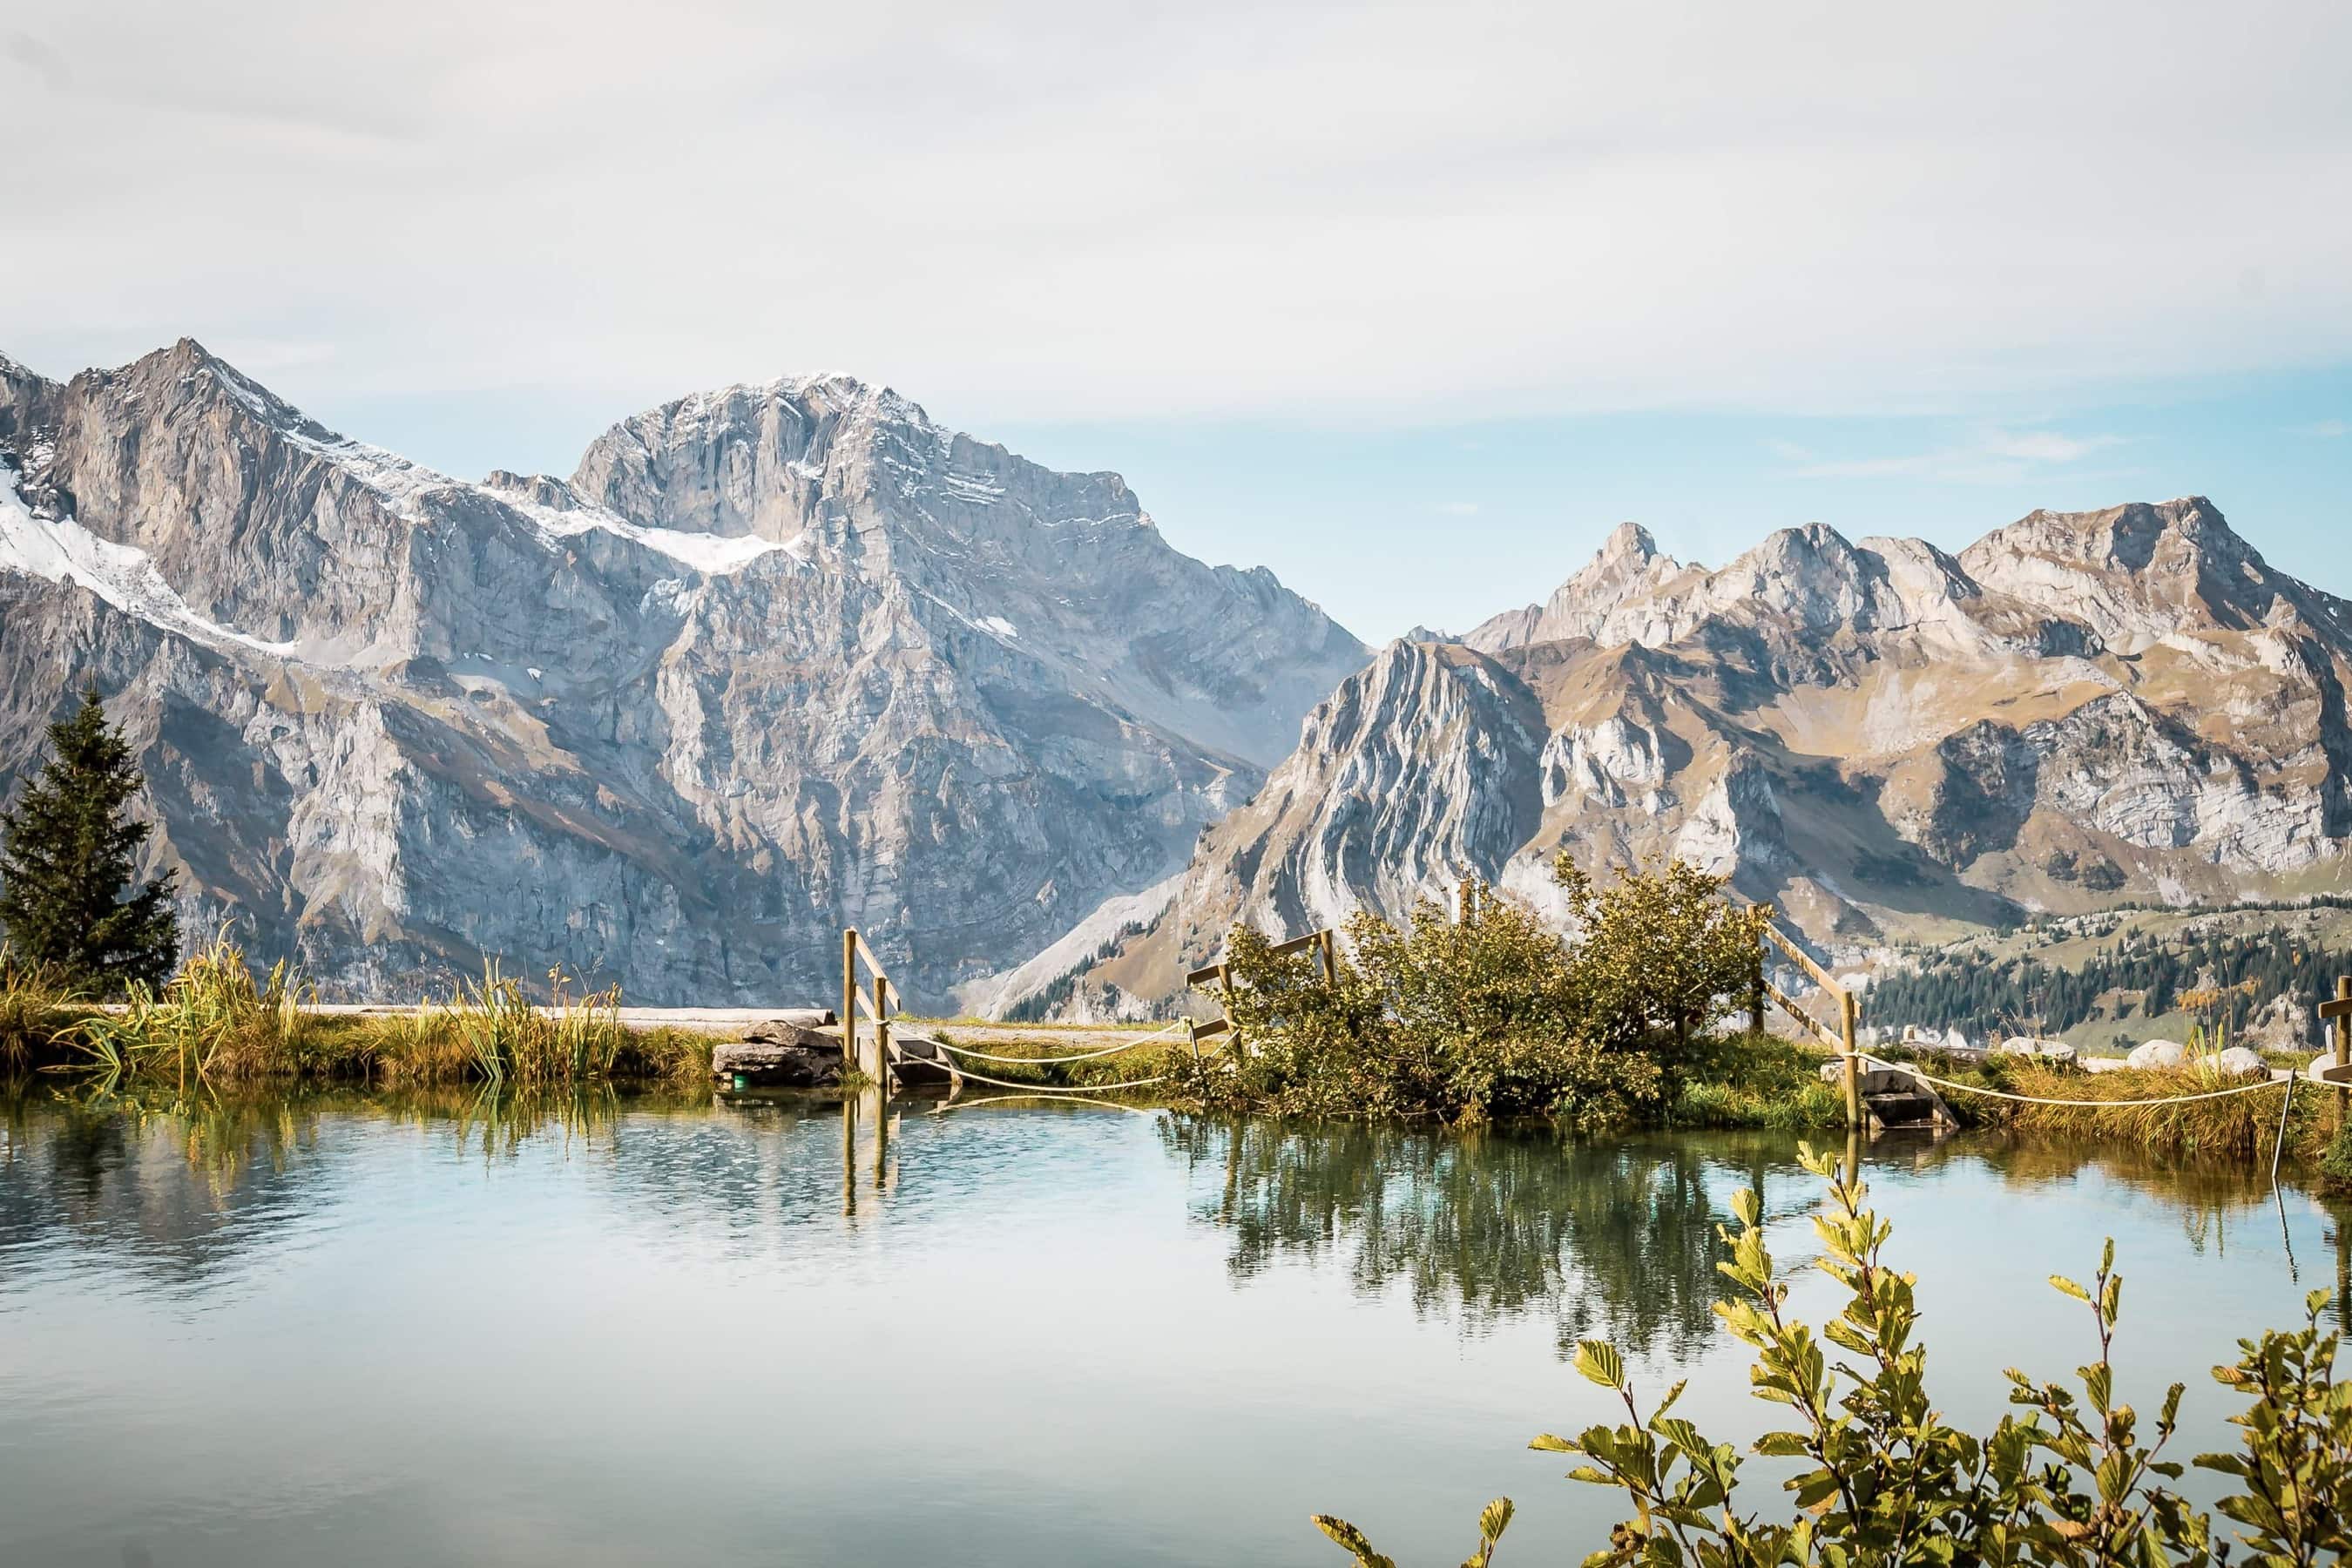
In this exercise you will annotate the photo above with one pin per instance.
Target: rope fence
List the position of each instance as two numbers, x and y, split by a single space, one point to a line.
1914 1070
1057 1061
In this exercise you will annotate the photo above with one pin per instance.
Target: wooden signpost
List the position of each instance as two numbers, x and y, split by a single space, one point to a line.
2337 1016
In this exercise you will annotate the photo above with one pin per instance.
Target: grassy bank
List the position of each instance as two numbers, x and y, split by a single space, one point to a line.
218 1022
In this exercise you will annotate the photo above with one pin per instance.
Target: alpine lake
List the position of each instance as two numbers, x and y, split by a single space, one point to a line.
332 1328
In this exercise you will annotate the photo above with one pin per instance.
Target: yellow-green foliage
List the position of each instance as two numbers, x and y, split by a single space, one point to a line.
1496 1016
1873 1474
1658 955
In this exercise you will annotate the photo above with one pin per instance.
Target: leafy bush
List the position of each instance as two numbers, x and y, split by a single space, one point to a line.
2069 1479
1494 1016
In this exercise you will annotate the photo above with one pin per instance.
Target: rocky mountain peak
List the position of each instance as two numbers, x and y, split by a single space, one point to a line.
779 659
1627 539
2140 573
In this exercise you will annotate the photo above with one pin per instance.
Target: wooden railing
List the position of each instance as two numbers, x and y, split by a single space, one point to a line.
880 1010
1840 1039
1325 944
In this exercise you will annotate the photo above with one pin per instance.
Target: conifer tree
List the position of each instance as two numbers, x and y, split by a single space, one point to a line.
67 851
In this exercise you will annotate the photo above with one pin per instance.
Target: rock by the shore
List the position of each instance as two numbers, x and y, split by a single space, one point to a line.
795 1031
779 1055
2237 1062
2041 1050
2159 1054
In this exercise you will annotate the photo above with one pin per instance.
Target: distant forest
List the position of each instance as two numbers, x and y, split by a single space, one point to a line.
2250 971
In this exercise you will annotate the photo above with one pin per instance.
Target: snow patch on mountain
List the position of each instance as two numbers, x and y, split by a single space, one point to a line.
60 550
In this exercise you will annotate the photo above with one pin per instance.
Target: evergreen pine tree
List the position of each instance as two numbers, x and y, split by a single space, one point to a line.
66 857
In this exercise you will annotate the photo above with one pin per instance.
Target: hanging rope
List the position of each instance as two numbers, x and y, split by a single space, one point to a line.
2090 1104
1057 1061
1058 1098
1071 1088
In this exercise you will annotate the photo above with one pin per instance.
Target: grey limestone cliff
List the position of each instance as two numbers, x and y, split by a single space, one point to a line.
773 659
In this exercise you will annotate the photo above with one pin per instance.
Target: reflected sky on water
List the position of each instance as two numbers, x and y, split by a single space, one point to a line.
442 1329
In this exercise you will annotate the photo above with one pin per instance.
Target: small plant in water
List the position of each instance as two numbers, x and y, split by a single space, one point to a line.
1882 1480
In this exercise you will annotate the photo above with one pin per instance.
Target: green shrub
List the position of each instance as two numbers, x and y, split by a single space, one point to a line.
1493 1017
1882 1479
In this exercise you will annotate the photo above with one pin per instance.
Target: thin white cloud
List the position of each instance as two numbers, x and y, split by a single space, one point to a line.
1043 209
1992 457
2325 429
1460 509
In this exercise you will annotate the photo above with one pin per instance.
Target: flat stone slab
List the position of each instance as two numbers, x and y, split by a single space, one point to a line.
782 1056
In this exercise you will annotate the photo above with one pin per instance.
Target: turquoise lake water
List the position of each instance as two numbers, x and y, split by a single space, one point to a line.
344 1330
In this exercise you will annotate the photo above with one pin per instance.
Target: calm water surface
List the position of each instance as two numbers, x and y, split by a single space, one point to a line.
372 1332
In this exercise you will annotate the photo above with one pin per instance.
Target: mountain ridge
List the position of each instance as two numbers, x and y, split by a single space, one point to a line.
1889 740
808 660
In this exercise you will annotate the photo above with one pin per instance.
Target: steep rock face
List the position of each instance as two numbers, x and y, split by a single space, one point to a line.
776 659
1882 738
1424 767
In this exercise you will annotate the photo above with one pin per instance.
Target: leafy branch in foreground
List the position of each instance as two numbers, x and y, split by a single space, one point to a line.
2065 1478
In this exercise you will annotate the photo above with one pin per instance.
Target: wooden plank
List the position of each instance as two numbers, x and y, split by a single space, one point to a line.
1788 1004
1295 944
1215 972
1210 1030
2341 1008
1802 960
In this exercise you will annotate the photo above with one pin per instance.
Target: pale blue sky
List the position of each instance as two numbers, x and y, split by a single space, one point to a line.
1388 524
1310 273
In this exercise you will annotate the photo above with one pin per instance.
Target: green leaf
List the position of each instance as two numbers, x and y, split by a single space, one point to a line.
1599 1362
2060 1282
1352 1539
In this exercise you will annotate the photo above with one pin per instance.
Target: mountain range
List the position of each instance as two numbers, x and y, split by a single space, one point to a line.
772 660
1886 741
778 658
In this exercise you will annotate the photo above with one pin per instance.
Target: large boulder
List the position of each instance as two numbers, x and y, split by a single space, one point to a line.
779 1055
2236 1062
2056 1051
2159 1054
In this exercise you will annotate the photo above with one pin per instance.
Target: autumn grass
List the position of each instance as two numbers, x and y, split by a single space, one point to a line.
216 1022
36 1004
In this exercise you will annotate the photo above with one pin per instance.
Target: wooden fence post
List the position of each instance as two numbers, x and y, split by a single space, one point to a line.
2343 1043
882 1038
1847 1016
1326 947
849 1057
1756 992
1465 901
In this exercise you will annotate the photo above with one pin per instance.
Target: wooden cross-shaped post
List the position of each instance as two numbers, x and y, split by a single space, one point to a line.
2337 1016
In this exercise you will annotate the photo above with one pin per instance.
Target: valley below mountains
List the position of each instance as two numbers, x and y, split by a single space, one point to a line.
776 659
